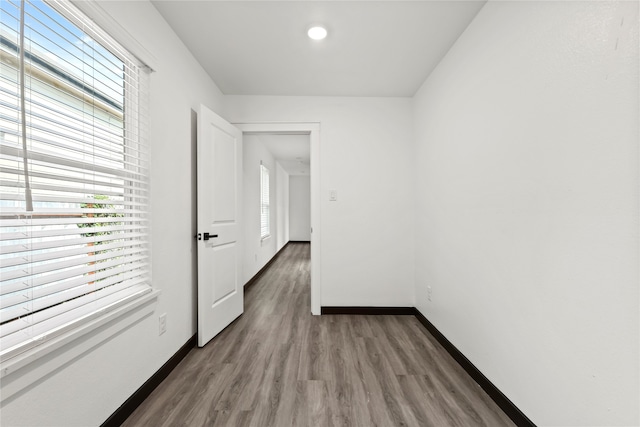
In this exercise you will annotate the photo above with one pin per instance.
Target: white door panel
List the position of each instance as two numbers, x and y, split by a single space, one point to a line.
224 279
225 165
220 292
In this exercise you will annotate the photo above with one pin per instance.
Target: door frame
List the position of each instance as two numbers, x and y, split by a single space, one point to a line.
313 130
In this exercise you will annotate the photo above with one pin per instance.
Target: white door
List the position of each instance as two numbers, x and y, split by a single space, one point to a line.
220 292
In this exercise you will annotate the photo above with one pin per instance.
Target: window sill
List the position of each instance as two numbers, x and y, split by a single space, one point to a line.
264 239
15 377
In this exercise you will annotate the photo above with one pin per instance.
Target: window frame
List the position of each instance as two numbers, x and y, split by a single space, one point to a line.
112 317
265 203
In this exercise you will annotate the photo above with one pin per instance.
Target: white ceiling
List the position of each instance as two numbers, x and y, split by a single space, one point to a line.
293 152
374 48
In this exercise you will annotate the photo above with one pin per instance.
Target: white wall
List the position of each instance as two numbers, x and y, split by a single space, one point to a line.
527 174
365 143
282 203
300 208
90 388
258 252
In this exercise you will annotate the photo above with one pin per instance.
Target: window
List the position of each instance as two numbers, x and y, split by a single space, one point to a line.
74 220
264 202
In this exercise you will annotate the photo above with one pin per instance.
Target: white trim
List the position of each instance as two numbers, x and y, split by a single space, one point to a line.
107 23
15 378
313 130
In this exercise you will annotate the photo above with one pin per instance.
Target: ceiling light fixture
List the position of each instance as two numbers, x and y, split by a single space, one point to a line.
317 33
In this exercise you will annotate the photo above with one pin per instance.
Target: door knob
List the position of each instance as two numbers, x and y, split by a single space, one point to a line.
207 236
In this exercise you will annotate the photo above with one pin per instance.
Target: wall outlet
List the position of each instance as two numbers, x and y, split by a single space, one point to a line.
333 195
429 293
162 324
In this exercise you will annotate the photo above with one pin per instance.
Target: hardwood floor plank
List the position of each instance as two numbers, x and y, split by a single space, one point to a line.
278 366
424 407
204 398
318 406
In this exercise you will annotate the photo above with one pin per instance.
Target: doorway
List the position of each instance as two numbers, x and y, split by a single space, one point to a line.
313 132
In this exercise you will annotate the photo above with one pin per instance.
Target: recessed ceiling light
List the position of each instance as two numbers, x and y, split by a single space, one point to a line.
317 33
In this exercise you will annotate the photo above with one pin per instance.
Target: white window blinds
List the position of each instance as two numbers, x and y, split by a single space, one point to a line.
73 173
264 202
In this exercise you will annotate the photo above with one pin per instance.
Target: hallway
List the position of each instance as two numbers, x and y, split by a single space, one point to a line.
277 365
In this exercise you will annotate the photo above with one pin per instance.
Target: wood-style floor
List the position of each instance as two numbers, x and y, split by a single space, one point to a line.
277 365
